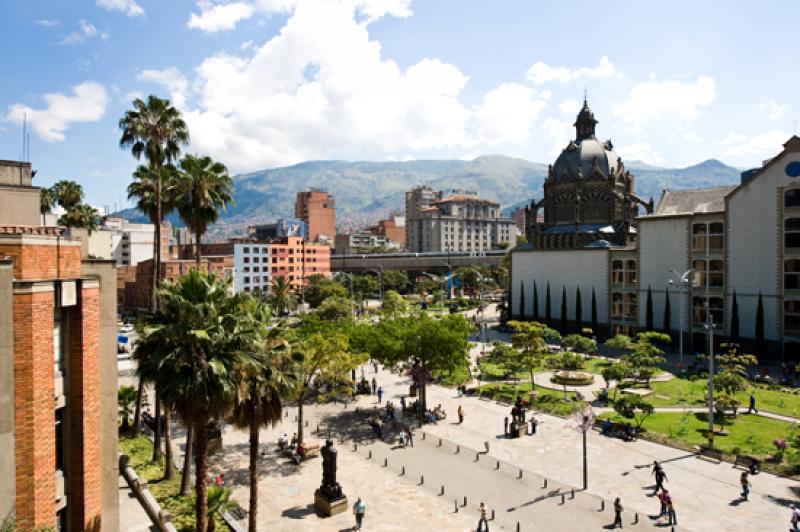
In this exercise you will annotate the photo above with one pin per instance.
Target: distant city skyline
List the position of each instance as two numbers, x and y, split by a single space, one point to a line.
266 83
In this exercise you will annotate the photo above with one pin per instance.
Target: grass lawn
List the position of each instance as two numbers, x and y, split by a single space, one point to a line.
679 392
550 401
750 435
140 451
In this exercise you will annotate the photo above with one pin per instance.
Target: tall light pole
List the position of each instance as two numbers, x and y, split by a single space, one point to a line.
380 281
709 327
449 274
436 278
683 283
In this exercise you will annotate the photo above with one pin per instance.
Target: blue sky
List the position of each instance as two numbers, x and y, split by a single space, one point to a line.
266 83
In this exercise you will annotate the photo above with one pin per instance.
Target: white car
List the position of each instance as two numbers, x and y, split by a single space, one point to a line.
126 328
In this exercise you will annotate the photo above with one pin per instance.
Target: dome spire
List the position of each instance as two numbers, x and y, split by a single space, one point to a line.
585 123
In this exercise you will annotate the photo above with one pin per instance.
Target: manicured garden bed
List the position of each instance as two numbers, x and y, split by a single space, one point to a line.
550 401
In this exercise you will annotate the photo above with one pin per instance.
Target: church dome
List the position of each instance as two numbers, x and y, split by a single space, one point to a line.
586 153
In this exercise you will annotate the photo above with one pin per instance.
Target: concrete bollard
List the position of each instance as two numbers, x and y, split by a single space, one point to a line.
402 471
544 486
442 491
465 501
286 414
306 422
385 462
486 446
562 498
421 480
455 505
602 505
517 526
572 494
355 447
492 514
477 456
317 426
440 442
635 519
423 435
497 465
369 456
458 449
520 474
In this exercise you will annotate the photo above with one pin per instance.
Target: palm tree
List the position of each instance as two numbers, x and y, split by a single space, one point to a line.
281 294
126 395
67 193
156 130
260 398
218 501
47 201
84 216
203 188
193 349
143 190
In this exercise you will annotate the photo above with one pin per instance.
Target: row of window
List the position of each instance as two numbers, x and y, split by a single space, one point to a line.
279 249
708 237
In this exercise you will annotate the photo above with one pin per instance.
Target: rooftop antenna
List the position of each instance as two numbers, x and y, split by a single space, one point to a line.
28 156
585 94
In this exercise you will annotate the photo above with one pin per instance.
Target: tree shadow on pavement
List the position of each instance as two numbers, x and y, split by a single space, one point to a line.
298 512
233 461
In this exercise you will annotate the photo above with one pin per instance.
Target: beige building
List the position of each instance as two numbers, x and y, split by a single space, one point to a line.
741 243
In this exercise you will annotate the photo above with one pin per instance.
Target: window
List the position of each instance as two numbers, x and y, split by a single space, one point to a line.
255 259
715 274
791 232
716 236
255 269
247 280
715 305
791 274
791 198
246 269
246 260
631 308
699 237
699 267
616 305
246 250
791 320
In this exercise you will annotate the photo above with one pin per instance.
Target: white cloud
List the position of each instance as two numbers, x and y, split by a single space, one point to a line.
173 80
130 7
86 30
769 143
86 104
507 113
540 73
132 95
570 106
690 136
640 151
658 100
774 111
247 45
321 88
560 132
48 23
219 17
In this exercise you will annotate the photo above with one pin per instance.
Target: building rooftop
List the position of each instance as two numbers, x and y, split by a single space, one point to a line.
694 200
31 230
464 197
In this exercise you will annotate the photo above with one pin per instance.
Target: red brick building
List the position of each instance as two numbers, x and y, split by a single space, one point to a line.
318 210
58 378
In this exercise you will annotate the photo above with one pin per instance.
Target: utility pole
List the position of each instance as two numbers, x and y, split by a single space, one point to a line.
683 284
709 326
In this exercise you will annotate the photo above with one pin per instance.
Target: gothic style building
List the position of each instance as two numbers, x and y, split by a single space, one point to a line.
589 199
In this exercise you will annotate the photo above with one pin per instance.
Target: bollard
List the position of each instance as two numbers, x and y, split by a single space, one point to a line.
421 480
455 505
497 465
517 526
458 449
369 456
635 519
544 486
440 442
287 414
355 447
402 471
329 434
572 494
492 514
341 440
423 435
486 445
520 474
465 501
356 410
602 505
317 426
385 462
442 492
477 456
562 498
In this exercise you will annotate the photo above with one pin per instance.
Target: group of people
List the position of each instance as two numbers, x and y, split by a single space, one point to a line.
437 414
296 451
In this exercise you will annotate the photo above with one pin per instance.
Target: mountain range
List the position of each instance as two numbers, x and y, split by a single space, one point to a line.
367 191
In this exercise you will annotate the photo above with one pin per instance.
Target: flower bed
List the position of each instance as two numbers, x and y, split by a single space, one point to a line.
572 378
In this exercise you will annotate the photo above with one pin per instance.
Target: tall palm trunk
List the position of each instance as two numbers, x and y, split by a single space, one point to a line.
254 422
300 420
137 413
157 431
201 475
157 240
197 238
169 466
186 488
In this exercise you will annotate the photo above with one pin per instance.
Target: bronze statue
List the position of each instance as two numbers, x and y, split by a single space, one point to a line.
329 487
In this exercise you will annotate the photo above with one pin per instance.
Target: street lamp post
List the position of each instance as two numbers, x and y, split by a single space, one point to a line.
683 283
483 316
709 327
380 281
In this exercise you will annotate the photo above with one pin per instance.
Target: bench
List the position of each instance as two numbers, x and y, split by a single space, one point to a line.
617 430
708 452
311 452
753 464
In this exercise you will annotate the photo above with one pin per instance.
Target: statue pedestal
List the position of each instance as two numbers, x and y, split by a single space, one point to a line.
329 507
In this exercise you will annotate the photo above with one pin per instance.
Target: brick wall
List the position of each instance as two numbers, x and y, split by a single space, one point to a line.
83 401
34 451
43 261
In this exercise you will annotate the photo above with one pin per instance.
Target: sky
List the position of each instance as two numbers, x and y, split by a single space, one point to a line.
267 83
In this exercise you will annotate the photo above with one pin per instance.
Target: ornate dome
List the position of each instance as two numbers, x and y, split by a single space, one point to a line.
586 156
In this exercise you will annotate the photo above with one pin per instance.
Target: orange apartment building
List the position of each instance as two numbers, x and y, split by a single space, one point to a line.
256 264
318 210
58 373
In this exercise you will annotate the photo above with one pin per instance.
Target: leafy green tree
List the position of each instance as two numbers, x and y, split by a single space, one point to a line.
47 200
396 280
203 189
83 216
334 309
321 288
641 354
580 344
535 302
365 286
193 349
262 390
634 407
67 193
143 190
218 501
508 358
394 304
732 376
565 362
281 294
126 396
324 359
529 338
615 372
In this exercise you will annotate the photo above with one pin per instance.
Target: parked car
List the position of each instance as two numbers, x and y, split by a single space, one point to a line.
126 328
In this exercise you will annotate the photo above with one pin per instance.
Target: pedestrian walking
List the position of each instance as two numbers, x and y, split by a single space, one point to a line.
380 394
617 513
662 498
661 477
745 482
374 386
359 509
752 407
403 404
505 427
410 437
673 519
403 438
376 366
460 414
483 523
795 518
